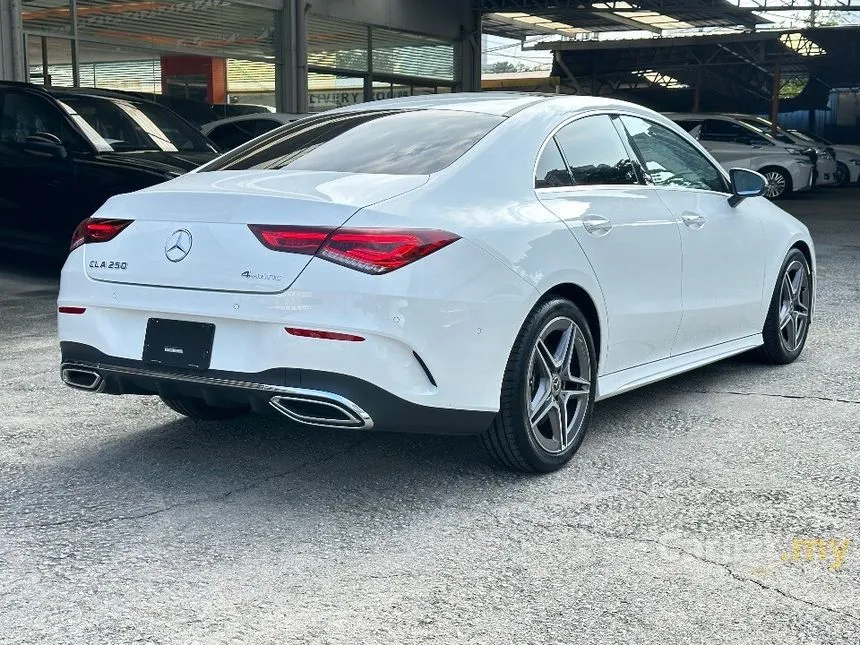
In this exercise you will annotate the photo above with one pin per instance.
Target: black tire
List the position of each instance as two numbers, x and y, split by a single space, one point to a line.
843 175
771 173
509 440
777 350
202 411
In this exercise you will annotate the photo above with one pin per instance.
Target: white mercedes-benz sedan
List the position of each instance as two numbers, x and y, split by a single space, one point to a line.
465 263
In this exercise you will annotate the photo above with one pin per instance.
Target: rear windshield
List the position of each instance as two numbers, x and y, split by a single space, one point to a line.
396 142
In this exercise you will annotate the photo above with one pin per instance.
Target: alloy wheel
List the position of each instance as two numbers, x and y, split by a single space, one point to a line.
841 175
558 385
794 304
776 184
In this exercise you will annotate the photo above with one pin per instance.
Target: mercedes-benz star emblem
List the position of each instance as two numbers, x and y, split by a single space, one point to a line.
178 245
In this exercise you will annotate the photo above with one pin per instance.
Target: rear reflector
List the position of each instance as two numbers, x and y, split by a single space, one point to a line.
71 310
373 251
93 230
325 335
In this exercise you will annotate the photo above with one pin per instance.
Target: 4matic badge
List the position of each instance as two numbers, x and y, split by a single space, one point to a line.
251 275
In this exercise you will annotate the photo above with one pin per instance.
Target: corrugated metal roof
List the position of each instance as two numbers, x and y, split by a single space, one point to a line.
522 18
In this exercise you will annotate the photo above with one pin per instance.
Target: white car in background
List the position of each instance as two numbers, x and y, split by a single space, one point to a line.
788 169
233 131
847 157
825 159
485 263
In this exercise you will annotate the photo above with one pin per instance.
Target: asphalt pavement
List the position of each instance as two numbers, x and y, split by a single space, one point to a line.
717 507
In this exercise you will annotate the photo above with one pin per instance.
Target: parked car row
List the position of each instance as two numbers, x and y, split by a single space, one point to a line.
791 161
64 152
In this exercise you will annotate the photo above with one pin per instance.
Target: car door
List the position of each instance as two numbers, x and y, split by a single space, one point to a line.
586 177
722 246
36 181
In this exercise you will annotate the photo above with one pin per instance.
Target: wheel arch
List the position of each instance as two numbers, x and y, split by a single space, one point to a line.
582 299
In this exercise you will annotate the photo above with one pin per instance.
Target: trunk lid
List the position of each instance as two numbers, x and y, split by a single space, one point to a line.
192 232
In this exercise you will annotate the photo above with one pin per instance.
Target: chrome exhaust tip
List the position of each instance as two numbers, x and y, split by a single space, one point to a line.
82 379
322 409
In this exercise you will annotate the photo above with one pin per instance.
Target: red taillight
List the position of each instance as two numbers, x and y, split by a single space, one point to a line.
291 239
71 310
325 335
92 231
368 250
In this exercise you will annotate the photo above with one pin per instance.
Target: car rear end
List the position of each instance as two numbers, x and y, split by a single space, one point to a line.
282 290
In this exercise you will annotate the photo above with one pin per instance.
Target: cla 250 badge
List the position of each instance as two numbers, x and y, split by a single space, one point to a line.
108 264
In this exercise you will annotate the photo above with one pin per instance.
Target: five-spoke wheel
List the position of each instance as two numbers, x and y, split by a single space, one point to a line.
794 302
558 384
547 392
787 325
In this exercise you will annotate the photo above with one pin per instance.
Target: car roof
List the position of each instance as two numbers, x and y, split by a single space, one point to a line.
60 92
493 103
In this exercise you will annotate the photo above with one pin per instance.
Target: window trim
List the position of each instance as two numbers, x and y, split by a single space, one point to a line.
576 117
720 170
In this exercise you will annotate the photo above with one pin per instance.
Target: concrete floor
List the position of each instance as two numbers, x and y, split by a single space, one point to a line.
120 522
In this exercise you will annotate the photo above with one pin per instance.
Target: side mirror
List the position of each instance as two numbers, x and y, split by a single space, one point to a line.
745 183
46 142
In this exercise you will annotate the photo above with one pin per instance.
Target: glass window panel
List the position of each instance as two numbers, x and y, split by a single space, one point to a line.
671 161
595 153
337 44
405 54
376 142
329 91
216 28
47 16
57 52
551 171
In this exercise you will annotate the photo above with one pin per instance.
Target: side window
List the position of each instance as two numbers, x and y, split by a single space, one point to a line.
551 170
688 125
23 115
262 126
670 160
728 132
595 153
229 135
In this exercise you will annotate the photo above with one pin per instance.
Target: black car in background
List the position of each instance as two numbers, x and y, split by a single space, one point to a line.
64 152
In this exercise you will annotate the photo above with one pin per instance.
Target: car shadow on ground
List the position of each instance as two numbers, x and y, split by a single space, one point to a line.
183 462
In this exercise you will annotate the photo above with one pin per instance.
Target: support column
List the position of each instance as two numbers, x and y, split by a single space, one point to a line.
291 64
697 93
774 98
11 42
469 74
76 69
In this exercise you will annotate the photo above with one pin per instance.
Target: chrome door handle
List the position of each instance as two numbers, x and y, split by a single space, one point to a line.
693 221
596 225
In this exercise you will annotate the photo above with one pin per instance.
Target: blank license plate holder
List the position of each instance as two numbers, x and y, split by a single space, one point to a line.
178 343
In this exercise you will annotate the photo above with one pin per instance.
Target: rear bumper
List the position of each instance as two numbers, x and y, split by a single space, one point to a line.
299 394
825 173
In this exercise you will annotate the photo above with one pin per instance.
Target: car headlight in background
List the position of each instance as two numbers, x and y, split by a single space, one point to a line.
825 156
856 162
794 151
